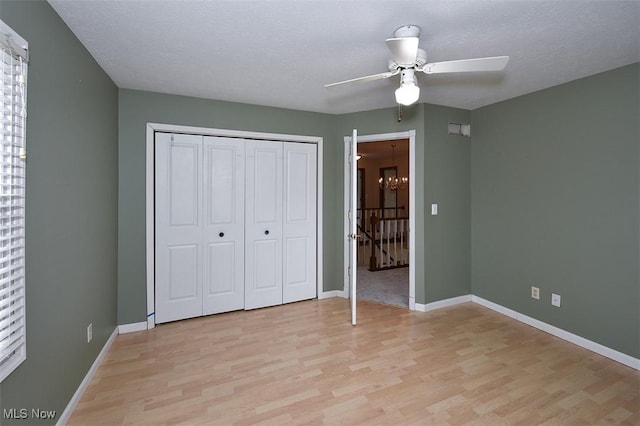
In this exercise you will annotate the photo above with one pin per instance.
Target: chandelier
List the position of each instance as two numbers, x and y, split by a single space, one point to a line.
393 183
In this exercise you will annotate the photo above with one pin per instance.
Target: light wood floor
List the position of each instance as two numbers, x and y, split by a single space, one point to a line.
304 363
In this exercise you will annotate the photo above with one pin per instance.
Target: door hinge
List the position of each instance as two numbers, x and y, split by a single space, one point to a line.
349 214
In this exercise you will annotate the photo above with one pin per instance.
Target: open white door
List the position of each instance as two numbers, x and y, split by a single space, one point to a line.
352 215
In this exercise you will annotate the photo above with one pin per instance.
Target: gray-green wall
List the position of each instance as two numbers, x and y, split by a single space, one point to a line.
71 222
555 195
447 236
137 108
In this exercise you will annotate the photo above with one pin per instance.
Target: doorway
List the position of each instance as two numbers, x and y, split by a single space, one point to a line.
386 250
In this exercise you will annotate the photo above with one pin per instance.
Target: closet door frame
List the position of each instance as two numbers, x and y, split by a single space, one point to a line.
151 130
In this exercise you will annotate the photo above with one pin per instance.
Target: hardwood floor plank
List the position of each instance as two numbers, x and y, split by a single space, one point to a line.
304 363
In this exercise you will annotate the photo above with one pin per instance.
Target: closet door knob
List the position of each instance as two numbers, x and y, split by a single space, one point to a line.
266 232
221 234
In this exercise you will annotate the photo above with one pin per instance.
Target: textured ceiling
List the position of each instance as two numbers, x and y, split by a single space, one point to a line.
282 53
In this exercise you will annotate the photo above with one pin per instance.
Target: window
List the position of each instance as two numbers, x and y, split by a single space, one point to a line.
13 90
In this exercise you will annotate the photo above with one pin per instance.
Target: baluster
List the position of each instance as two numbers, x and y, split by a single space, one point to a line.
373 235
399 240
381 261
395 242
388 244
402 242
376 229
373 224
382 241
405 232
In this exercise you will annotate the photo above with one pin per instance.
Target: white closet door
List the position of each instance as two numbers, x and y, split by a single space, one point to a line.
263 224
178 227
223 234
299 230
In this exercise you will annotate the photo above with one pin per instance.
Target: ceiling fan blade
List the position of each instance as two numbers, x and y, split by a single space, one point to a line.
366 78
494 63
403 49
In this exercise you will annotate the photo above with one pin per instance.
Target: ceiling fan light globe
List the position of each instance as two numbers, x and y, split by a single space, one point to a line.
407 94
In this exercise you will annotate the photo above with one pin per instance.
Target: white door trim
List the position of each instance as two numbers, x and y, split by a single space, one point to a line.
205 131
411 135
352 215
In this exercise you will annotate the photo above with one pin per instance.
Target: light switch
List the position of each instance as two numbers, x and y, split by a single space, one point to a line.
434 209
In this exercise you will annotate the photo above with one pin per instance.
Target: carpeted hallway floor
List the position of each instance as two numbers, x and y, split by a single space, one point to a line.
390 287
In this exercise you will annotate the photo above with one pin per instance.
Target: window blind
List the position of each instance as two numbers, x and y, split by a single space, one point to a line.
13 86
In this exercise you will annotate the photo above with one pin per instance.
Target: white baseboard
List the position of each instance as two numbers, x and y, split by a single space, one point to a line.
443 303
331 293
543 326
132 328
563 334
66 414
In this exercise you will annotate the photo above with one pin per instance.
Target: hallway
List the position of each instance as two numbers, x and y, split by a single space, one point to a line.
390 286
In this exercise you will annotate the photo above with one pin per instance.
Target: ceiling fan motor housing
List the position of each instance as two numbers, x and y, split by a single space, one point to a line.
421 59
408 76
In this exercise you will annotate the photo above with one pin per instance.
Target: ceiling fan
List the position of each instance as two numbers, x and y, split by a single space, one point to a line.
407 58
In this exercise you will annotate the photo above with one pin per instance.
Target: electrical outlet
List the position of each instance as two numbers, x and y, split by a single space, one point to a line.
555 299
89 332
535 293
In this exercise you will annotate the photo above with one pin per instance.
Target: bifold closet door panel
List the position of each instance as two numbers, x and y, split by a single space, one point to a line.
223 216
299 222
178 223
263 224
